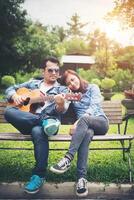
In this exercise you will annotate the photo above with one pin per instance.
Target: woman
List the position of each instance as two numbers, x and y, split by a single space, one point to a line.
91 121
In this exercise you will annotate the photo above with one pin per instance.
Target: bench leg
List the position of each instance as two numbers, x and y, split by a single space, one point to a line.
130 167
123 150
129 157
125 129
130 162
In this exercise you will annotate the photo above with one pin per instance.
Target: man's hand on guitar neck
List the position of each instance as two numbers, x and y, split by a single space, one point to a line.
60 102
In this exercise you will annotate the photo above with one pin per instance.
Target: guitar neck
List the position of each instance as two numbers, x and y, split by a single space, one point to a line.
49 98
67 96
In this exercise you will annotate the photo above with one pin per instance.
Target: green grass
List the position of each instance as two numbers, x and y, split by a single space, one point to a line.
103 166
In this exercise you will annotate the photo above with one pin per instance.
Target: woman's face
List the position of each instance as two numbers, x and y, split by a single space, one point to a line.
73 82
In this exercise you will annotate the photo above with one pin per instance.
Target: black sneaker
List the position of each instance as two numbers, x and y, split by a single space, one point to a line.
62 166
81 187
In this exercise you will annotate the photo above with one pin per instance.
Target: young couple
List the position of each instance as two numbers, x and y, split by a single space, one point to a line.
91 120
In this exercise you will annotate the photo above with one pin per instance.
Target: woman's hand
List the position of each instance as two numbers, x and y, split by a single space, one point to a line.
71 132
72 129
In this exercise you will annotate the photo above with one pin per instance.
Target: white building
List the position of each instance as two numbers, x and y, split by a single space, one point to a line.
77 61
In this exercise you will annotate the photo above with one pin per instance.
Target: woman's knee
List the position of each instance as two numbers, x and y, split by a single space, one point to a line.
84 119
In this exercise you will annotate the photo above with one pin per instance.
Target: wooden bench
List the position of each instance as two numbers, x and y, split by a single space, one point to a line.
113 110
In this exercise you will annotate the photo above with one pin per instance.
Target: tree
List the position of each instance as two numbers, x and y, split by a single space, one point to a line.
123 11
75 46
75 26
12 25
37 43
105 62
98 40
125 59
60 32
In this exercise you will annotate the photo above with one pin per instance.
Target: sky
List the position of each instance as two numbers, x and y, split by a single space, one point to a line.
59 12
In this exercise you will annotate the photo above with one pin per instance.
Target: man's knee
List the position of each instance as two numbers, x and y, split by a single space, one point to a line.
9 112
37 133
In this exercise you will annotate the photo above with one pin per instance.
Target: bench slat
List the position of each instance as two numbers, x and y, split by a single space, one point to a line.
113 110
63 137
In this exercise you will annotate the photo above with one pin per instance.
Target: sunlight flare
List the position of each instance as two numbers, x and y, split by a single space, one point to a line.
115 32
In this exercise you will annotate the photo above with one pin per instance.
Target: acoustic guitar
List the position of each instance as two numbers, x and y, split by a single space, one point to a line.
32 97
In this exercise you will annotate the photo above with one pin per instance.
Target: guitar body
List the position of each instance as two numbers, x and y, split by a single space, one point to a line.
30 94
35 97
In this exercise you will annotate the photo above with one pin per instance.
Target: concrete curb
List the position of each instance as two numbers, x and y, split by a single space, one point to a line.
66 191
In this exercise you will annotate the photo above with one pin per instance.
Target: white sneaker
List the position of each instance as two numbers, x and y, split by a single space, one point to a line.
81 187
62 166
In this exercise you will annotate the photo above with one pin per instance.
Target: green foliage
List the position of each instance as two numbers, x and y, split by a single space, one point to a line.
75 26
123 78
88 74
75 45
96 81
38 43
60 50
123 11
12 25
107 83
125 58
7 81
105 62
60 32
23 77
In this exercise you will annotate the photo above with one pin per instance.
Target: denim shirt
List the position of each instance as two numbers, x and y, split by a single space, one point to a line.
90 102
35 84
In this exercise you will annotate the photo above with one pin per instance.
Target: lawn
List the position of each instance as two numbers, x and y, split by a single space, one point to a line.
103 166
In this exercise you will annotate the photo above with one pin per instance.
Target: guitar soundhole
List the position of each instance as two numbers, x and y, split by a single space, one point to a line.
26 101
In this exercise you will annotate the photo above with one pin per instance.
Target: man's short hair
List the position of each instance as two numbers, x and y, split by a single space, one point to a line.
51 59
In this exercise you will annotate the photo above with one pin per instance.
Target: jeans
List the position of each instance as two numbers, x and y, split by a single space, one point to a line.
87 126
28 123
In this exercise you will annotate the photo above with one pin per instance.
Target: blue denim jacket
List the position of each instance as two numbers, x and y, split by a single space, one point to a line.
90 102
35 84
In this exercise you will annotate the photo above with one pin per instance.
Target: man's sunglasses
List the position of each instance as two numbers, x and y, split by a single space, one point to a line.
53 70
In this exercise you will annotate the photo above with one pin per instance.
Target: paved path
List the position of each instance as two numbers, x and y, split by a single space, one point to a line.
66 191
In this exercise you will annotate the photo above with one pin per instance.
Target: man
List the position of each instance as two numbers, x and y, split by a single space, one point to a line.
29 123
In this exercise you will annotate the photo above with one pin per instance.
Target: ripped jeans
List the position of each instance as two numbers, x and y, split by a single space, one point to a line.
87 126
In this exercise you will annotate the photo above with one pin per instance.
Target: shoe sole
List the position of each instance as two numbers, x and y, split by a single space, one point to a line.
51 130
31 192
56 171
82 194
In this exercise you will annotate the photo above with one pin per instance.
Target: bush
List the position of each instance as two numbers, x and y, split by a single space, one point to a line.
22 77
88 74
7 81
96 81
107 83
123 78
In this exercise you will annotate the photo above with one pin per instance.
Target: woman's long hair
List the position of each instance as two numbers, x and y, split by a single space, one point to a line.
83 83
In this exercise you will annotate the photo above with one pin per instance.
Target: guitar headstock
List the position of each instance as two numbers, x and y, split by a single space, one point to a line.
73 96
